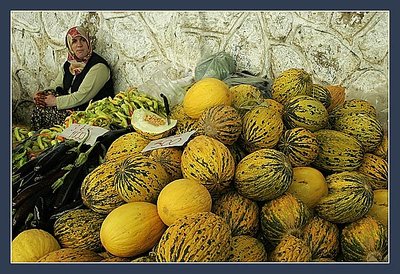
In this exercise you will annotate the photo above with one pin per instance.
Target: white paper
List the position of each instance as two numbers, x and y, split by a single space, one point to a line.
79 132
170 141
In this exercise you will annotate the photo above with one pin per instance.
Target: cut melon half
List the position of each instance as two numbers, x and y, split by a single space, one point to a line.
150 124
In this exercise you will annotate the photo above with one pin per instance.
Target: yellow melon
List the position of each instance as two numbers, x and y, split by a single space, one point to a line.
379 209
308 185
182 197
131 229
32 244
203 94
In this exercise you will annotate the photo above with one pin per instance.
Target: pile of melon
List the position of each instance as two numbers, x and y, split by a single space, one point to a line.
301 176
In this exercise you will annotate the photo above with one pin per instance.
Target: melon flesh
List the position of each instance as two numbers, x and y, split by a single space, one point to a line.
150 122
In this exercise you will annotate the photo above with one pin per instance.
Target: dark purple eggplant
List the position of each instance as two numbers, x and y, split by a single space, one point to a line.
58 162
23 182
23 210
27 167
38 186
53 155
71 182
38 220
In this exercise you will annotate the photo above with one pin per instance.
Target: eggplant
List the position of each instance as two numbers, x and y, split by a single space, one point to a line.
38 186
23 210
56 151
71 182
23 182
27 167
58 158
69 185
38 220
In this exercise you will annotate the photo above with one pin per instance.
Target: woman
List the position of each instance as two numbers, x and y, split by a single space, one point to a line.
86 76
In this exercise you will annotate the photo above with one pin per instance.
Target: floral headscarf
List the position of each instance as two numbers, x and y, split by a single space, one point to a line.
77 65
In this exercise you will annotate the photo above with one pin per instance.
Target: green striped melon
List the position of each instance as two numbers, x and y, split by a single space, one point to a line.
365 128
110 258
365 240
144 259
98 190
79 228
208 161
115 259
322 94
238 151
241 213
197 237
139 178
285 215
71 255
322 237
186 125
290 83
184 122
352 106
305 111
324 260
382 149
349 198
221 122
170 159
376 168
246 248
177 112
263 175
271 103
291 249
338 151
262 128
125 145
300 146
245 97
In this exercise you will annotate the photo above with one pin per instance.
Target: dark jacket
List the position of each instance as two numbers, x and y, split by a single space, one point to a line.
69 82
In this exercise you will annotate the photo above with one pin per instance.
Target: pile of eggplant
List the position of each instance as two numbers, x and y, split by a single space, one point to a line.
49 185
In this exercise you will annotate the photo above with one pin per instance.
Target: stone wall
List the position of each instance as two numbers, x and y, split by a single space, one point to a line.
347 48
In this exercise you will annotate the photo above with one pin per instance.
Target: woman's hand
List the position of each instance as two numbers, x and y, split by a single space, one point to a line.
50 100
38 98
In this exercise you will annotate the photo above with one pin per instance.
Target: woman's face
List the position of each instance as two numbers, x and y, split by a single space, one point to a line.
80 47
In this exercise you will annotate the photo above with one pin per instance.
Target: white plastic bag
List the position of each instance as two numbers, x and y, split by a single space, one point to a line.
160 83
378 97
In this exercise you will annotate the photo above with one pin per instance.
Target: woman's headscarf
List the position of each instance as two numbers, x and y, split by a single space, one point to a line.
77 65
